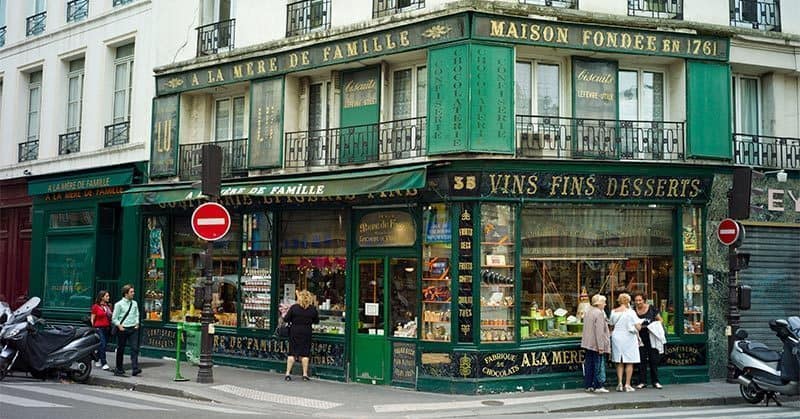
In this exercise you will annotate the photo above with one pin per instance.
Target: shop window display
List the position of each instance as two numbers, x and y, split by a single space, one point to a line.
154 268
313 257
572 253
436 276
256 279
497 274
693 292
187 273
403 301
68 271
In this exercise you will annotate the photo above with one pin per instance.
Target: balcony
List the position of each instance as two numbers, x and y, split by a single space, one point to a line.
566 4
77 10
660 9
34 25
69 143
766 152
307 15
234 159
2 36
382 8
117 134
761 15
28 151
602 139
215 37
392 140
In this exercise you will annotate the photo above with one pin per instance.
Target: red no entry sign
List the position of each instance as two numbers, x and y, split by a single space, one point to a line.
211 221
728 231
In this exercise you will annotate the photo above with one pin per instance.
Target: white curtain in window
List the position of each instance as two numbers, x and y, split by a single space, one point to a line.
523 89
222 120
547 89
749 106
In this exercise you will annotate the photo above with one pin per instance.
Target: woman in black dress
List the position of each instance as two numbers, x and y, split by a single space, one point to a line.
301 316
648 355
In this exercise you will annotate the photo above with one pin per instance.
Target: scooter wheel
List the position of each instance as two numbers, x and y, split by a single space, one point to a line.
82 376
751 393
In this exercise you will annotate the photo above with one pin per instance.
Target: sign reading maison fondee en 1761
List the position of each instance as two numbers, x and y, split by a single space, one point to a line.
590 37
551 185
350 49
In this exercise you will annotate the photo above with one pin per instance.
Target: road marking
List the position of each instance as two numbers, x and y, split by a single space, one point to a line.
20 401
412 407
174 402
276 398
86 398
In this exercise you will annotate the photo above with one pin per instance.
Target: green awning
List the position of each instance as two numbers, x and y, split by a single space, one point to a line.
339 184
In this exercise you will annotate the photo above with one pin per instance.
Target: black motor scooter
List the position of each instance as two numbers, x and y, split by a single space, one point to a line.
34 347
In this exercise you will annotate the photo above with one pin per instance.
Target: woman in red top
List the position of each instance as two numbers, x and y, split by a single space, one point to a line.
101 320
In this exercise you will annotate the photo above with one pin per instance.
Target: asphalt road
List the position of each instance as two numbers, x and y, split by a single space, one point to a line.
27 399
713 412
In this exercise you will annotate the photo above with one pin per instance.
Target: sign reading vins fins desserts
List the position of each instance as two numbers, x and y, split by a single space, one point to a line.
164 147
465 274
266 129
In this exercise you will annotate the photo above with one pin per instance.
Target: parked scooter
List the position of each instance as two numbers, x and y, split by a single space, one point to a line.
762 372
32 346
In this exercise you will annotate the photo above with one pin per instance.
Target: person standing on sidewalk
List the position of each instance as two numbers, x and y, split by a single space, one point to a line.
596 340
126 321
300 316
101 321
625 340
649 355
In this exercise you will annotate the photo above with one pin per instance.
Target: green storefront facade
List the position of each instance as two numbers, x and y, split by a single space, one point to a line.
461 264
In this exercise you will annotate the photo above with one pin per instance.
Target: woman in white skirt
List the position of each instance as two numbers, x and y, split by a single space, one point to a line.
625 340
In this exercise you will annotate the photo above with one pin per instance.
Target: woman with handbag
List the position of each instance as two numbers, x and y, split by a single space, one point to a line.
300 317
100 319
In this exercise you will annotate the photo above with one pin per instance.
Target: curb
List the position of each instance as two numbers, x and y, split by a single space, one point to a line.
713 401
148 388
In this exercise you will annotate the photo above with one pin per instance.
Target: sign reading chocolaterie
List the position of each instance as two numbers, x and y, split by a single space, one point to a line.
548 185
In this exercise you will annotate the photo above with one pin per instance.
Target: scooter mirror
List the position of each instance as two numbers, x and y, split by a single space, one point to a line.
741 334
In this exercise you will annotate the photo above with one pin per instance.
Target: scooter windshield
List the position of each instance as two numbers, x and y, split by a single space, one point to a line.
25 309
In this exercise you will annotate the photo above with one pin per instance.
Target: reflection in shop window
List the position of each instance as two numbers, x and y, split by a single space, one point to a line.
154 268
72 219
68 271
313 258
571 253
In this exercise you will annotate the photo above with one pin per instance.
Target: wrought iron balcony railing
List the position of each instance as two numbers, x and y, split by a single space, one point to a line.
116 3
662 9
2 36
767 152
215 37
307 15
762 15
118 133
77 10
69 143
234 159
382 8
567 4
608 139
28 151
34 25
392 140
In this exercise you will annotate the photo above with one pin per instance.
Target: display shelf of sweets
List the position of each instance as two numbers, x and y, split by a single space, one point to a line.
331 319
256 286
436 296
497 305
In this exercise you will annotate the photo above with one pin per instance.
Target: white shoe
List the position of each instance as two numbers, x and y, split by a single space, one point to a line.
97 364
106 367
601 390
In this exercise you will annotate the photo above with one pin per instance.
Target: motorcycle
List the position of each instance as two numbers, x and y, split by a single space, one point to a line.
764 373
30 345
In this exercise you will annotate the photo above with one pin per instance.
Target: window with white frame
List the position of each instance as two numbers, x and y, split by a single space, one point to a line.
538 88
746 109
34 105
74 95
214 11
229 120
319 120
123 83
409 92
641 95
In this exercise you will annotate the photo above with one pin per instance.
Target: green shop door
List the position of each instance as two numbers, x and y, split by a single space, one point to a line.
371 347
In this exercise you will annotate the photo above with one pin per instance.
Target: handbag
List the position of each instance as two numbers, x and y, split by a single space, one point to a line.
282 331
87 320
114 329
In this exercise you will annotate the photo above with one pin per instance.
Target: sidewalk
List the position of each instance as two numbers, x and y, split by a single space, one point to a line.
267 391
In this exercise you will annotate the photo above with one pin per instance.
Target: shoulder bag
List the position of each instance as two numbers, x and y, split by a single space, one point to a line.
114 329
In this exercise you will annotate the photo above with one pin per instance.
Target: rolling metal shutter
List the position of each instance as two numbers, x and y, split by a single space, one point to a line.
774 274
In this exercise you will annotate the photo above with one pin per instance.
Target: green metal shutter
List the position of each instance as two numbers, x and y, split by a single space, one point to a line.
774 275
708 110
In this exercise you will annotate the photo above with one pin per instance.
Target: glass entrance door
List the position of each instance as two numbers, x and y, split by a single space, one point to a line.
377 280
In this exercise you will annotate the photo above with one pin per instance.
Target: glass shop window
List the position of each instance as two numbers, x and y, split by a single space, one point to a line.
69 265
153 301
256 280
313 250
570 253
437 249
187 273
